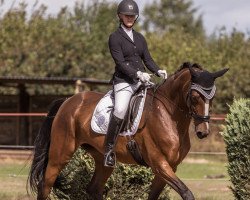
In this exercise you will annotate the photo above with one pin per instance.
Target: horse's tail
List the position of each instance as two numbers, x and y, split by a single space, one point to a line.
41 149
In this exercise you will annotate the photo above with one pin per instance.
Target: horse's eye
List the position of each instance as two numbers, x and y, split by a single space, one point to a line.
195 99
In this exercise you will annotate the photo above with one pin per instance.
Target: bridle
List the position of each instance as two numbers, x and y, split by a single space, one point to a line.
201 90
200 118
191 112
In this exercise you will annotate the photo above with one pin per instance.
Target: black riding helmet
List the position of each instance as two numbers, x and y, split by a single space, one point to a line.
128 7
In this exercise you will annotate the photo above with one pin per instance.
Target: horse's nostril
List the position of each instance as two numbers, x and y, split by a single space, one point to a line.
201 134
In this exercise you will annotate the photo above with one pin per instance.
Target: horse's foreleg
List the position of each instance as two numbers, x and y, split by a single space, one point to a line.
96 186
167 174
157 186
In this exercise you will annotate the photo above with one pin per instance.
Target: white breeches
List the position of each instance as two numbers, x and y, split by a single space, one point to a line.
123 93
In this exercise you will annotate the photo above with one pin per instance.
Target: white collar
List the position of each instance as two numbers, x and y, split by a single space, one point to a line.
128 31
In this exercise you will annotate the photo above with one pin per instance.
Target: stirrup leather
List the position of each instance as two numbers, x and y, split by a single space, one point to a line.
110 159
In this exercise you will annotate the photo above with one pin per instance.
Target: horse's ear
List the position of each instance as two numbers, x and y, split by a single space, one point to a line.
219 73
193 72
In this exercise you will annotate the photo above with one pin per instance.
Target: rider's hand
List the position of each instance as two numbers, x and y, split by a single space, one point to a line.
162 73
143 76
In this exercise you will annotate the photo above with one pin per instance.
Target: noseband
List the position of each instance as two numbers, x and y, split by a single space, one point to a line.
208 93
200 118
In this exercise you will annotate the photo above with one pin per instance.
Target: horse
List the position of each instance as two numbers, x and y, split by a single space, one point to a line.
162 136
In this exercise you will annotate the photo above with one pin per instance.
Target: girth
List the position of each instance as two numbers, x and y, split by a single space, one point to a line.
135 152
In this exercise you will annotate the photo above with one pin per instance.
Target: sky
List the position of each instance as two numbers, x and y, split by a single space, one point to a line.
215 13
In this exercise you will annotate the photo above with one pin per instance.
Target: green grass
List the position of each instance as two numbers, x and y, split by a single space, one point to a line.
200 171
193 172
14 169
13 178
200 168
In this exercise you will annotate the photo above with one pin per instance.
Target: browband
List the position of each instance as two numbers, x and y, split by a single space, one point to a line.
208 93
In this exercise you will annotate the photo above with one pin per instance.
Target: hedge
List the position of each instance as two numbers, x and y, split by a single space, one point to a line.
237 138
126 182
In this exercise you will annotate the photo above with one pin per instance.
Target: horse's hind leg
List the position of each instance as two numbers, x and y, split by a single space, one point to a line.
60 153
164 172
96 186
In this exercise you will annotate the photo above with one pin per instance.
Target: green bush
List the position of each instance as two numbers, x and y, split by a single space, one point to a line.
237 138
126 182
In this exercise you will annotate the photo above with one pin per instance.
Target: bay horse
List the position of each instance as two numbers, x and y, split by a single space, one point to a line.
162 137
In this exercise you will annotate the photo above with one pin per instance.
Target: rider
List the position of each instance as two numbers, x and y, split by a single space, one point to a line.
128 49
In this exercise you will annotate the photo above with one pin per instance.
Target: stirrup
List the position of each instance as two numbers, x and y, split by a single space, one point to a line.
110 159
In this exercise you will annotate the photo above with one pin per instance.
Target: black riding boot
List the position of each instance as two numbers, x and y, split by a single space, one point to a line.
113 130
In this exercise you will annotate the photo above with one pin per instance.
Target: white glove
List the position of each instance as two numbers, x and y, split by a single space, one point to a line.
162 73
143 76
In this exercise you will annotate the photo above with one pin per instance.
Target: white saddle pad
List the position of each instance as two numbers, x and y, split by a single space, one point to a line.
101 115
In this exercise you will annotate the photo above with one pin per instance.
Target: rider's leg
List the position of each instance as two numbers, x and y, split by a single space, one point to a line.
123 93
110 140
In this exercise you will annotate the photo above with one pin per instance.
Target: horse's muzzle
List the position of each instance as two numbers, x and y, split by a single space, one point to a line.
202 134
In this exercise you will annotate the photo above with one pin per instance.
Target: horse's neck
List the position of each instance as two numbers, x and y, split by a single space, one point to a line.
172 95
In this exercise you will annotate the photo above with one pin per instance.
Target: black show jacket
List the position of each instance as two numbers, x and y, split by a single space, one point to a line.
129 56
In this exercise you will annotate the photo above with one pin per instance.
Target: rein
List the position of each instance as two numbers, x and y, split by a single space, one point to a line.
156 91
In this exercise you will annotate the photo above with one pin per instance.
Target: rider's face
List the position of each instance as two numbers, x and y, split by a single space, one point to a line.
128 20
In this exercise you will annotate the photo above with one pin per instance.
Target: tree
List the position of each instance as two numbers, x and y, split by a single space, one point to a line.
168 15
72 44
75 44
